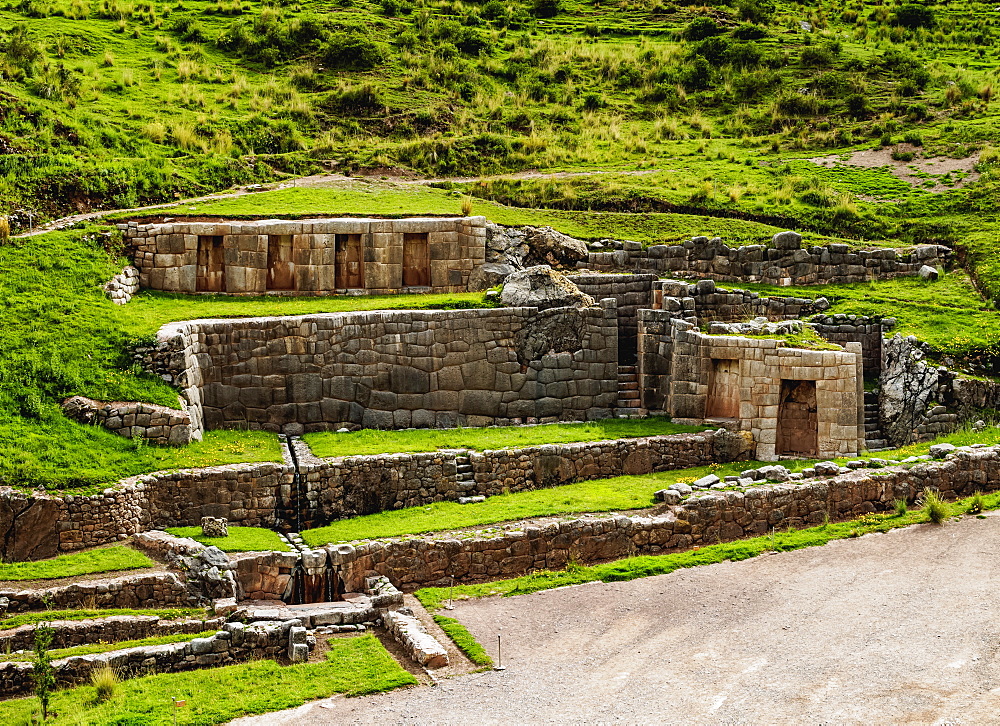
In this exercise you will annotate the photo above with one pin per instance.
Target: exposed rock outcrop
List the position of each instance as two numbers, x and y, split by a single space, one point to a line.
908 383
542 287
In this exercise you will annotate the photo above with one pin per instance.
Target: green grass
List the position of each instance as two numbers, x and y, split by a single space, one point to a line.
464 640
149 311
433 598
94 648
240 539
598 495
330 443
948 313
353 666
104 559
50 616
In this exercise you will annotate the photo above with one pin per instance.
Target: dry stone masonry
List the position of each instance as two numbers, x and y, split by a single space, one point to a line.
308 257
395 369
784 263
134 420
123 286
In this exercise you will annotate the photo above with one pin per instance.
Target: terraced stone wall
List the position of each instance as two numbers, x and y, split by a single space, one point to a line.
786 263
703 519
395 369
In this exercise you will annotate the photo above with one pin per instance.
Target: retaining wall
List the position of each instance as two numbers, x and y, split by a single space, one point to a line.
133 420
790 265
701 520
159 589
266 495
235 643
395 369
112 629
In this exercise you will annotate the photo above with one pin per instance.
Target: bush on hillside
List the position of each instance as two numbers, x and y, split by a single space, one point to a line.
701 28
353 51
913 15
546 8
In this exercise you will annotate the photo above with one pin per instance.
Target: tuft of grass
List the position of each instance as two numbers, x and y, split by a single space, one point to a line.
240 539
105 683
933 507
976 503
465 641
354 666
103 559
902 507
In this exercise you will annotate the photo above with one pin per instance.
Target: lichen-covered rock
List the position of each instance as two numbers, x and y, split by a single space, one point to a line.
547 246
542 287
907 385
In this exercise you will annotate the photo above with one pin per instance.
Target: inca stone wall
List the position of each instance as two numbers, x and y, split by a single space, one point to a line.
704 519
153 589
762 385
134 420
112 629
307 257
631 293
234 643
267 494
396 369
785 263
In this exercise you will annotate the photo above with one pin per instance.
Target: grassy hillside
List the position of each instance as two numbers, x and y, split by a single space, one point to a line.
112 103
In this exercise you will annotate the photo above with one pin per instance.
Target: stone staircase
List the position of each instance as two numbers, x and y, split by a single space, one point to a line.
466 480
874 439
629 403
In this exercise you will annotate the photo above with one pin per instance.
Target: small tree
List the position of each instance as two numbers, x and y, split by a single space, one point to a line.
43 673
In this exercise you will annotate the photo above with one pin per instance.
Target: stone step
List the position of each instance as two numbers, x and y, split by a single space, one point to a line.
627 378
629 404
464 467
627 369
876 445
628 395
871 428
628 386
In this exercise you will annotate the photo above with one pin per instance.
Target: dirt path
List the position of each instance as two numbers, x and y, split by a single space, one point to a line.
319 180
893 628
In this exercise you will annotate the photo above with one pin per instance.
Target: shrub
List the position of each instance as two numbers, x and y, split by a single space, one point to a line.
901 507
748 31
755 11
592 102
546 8
353 51
701 28
698 75
857 105
933 507
105 682
912 15
42 673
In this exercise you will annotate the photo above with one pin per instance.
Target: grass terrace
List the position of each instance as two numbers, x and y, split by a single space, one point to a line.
353 666
51 616
370 441
434 598
103 559
948 313
598 495
95 648
240 539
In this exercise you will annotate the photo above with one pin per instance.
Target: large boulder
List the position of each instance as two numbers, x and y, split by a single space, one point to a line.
542 287
506 245
549 247
907 385
489 275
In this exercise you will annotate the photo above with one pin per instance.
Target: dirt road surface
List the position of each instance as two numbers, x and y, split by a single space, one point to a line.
892 628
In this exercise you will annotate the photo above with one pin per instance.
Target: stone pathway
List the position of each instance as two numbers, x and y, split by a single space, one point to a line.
893 628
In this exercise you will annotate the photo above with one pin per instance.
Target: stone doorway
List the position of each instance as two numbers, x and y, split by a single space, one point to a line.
724 390
280 267
350 262
211 275
798 422
416 260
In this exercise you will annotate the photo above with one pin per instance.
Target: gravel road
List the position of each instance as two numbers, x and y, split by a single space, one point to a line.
893 628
